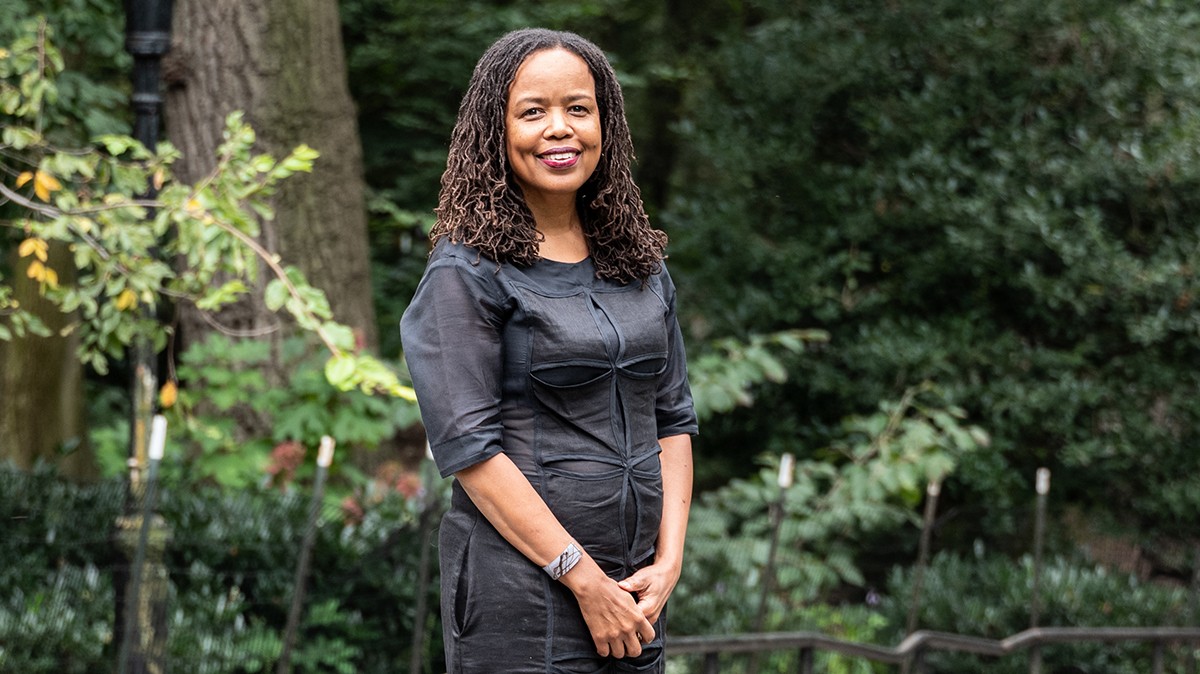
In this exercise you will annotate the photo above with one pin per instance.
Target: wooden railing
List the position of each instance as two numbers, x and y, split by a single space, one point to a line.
911 652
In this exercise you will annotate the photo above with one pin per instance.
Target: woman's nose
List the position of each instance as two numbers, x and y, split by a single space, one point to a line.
557 124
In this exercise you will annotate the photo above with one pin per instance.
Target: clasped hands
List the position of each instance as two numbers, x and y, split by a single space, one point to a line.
620 614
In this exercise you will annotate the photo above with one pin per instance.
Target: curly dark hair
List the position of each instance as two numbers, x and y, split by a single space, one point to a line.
480 204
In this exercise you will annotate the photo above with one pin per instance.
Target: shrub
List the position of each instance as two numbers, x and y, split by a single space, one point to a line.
231 557
989 596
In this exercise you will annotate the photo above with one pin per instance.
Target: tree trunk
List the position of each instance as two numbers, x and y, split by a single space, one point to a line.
282 63
41 385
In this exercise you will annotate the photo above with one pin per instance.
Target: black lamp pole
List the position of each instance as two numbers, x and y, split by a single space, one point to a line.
147 38
140 590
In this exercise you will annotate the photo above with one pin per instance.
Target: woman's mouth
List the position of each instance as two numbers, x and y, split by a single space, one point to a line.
560 158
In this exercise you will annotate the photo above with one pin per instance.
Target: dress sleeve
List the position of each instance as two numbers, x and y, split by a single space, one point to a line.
674 409
451 339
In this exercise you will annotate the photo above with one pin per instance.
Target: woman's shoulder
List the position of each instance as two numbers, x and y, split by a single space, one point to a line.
469 260
456 253
662 276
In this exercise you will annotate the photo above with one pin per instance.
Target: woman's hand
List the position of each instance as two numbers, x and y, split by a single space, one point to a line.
618 625
653 586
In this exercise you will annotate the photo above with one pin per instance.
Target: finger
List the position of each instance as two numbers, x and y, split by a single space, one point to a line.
618 649
633 647
650 609
602 648
645 631
634 583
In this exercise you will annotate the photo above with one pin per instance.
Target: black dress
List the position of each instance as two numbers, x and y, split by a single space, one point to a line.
575 378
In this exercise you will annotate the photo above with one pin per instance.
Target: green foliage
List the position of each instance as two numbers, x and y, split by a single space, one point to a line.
869 478
92 200
989 596
55 585
232 559
722 379
215 629
224 392
990 196
92 93
58 623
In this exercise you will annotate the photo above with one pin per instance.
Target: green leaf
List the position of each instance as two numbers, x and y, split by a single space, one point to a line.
226 294
340 371
20 137
342 336
276 295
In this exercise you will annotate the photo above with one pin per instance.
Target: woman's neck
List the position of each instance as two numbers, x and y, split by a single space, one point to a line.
561 230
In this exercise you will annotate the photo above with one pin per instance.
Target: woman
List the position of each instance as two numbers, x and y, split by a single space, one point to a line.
548 363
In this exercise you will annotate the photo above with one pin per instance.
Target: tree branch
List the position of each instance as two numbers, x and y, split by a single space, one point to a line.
234 332
266 256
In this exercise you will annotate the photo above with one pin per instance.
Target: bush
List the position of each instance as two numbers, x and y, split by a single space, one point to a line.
993 196
989 596
231 557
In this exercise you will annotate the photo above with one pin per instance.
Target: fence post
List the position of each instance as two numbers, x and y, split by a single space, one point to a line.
711 661
1039 535
143 618
1156 665
918 661
778 509
324 459
806 661
932 491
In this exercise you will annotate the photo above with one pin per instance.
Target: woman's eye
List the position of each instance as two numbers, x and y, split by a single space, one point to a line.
579 109
531 112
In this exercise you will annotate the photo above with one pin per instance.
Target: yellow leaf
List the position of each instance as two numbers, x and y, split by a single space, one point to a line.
167 395
42 274
24 178
34 246
160 177
126 300
194 208
3 53
44 184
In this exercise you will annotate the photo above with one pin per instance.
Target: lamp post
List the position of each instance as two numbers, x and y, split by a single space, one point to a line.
141 587
147 39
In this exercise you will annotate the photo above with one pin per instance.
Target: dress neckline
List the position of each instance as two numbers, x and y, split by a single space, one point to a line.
565 264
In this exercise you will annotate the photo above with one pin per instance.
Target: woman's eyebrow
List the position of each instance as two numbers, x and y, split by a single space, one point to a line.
542 100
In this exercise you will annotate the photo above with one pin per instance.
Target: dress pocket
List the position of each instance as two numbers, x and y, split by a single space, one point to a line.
457 533
589 499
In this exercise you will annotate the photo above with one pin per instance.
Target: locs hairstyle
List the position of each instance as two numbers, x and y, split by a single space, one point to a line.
481 205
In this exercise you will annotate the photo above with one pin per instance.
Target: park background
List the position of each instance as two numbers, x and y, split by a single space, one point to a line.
947 242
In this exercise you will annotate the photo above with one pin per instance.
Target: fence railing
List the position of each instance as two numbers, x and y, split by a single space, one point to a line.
202 556
910 654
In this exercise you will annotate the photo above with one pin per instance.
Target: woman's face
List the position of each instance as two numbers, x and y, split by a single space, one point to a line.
552 125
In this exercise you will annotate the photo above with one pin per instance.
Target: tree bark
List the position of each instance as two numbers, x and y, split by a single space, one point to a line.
41 385
282 63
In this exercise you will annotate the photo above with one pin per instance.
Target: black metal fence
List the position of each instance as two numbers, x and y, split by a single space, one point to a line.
297 583
910 654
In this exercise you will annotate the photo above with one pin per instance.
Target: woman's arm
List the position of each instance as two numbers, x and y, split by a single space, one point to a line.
653 584
517 511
